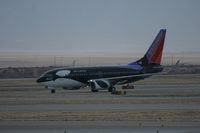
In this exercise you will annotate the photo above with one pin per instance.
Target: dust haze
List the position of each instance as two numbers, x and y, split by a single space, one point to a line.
39 59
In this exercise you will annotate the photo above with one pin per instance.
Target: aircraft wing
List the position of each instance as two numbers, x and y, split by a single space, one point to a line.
127 79
124 79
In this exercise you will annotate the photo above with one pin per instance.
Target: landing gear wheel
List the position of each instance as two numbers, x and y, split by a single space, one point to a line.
53 91
94 90
110 89
113 90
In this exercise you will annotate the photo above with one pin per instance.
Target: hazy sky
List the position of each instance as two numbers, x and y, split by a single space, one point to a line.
98 25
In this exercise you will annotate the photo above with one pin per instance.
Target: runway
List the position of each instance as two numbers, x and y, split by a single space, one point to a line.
158 104
97 107
93 127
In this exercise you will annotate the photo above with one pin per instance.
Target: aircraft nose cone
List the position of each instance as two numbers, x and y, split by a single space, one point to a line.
39 80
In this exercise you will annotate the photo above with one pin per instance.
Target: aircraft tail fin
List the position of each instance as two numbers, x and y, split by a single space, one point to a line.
153 55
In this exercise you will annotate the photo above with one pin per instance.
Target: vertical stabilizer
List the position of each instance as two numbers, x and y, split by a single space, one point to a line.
154 54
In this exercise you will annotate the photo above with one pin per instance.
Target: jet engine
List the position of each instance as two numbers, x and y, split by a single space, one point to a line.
99 84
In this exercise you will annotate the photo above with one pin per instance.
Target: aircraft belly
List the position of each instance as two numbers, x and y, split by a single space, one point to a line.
63 82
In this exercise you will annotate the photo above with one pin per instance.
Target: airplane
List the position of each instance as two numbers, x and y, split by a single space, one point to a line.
107 77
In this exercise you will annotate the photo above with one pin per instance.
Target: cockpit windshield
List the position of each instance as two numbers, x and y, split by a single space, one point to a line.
48 75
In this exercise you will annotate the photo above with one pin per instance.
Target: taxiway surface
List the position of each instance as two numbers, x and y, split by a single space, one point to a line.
168 103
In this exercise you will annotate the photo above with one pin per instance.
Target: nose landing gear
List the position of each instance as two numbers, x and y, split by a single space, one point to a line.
53 90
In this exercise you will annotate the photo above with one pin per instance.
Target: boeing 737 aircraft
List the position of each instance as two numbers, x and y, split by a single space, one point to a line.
107 77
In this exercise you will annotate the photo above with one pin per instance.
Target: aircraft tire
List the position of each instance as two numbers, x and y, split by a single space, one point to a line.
53 91
110 89
94 90
113 90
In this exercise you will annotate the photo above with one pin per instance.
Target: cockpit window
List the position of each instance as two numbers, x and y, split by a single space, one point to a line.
48 76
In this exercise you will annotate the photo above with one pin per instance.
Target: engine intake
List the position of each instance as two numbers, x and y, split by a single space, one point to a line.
99 84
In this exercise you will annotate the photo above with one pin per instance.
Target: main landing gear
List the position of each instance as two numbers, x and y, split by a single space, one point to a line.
118 92
110 89
94 90
53 91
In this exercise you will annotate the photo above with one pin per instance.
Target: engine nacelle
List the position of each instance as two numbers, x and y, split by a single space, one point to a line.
99 84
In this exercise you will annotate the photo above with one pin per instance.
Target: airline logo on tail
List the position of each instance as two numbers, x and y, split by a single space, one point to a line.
154 53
